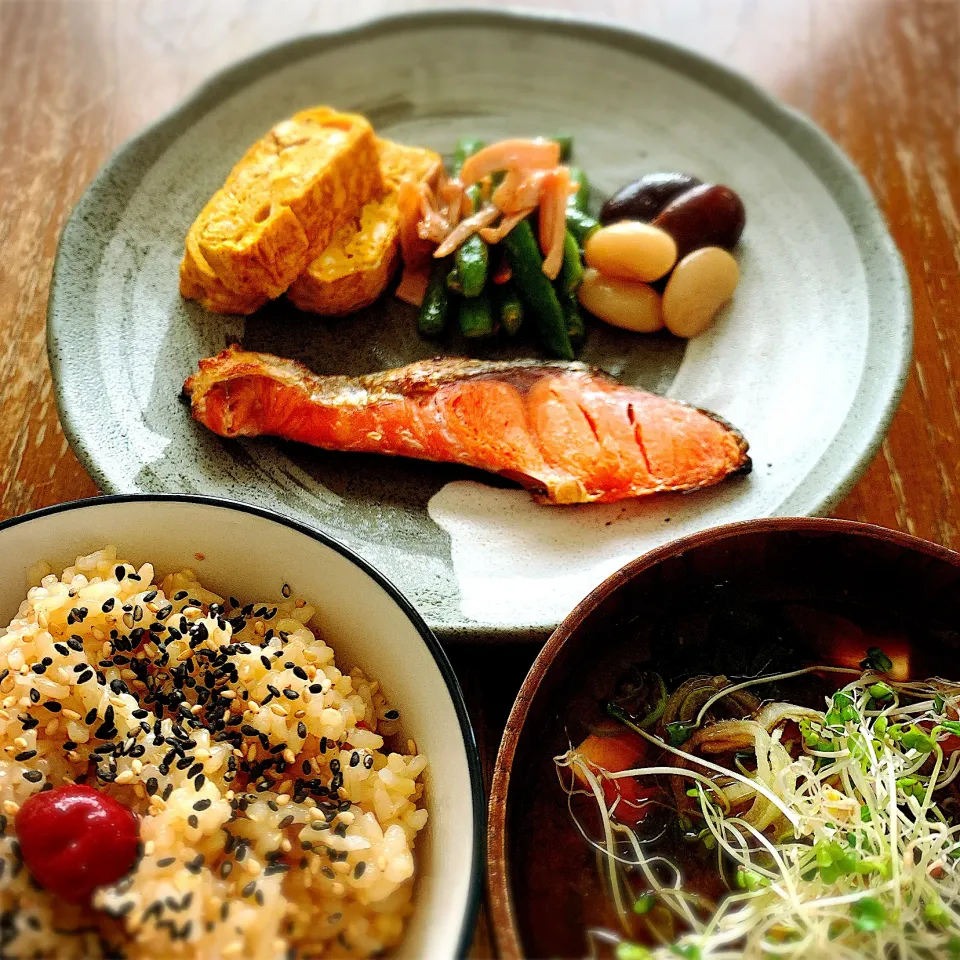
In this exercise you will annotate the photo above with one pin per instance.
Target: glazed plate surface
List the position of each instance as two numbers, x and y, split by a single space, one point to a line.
808 361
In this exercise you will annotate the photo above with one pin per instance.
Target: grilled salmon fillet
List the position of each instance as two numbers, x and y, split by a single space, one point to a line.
567 432
279 207
355 268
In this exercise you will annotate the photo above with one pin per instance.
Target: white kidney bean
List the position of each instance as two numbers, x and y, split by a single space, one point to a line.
622 303
701 283
631 250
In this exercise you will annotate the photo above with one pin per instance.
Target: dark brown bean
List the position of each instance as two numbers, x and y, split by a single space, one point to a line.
645 198
706 216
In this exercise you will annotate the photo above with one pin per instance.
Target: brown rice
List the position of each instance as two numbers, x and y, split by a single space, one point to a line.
166 695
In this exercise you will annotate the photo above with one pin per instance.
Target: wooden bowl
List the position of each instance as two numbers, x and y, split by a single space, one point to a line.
721 593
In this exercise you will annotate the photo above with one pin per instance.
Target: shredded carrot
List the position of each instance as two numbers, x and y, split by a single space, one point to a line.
451 194
413 285
414 249
433 224
553 223
519 190
497 233
466 228
509 155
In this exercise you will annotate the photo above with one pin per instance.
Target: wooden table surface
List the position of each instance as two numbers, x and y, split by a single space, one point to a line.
77 77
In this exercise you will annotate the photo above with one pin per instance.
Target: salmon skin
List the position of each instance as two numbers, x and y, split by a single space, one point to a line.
566 431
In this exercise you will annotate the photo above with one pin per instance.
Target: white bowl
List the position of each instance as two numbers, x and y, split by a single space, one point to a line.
252 553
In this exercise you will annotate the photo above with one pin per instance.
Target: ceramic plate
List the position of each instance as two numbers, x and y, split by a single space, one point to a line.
808 361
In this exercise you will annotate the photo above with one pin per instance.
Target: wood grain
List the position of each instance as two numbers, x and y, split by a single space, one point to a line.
77 77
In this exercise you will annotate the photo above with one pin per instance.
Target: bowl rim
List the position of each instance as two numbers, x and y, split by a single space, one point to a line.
499 894
478 803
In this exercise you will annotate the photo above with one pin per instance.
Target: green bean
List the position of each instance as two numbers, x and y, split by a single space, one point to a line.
580 224
576 328
454 280
476 317
565 141
581 199
525 261
510 307
436 301
571 273
472 256
472 260
466 146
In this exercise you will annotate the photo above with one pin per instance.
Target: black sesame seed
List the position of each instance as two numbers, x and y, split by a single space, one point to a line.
226 869
120 572
194 770
315 688
152 595
199 782
193 820
202 805
354 759
359 869
108 604
241 853
75 643
167 862
249 888
285 590
53 706
167 790
32 776
392 715
334 766
26 755
35 695
258 896
195 865
38 668
62 649
152 786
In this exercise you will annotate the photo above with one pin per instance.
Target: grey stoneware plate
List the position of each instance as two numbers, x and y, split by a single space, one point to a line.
808 361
